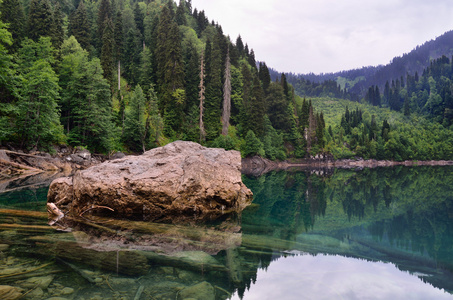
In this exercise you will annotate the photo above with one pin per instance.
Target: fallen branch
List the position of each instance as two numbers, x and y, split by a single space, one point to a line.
26 272
77 270
95 207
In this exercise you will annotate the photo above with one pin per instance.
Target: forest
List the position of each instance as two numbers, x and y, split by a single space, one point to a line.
126 75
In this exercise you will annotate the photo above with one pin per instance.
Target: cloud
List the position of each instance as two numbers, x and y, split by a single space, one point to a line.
329 35
337 277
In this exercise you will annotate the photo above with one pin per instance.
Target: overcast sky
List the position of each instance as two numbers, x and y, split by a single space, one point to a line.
303 36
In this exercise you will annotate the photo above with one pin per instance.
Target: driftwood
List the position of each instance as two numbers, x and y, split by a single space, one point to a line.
24 213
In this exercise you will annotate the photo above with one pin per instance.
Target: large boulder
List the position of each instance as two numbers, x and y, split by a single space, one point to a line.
181 179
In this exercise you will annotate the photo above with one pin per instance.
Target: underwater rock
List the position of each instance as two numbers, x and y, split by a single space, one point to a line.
203 290
42 282
9 293
179 180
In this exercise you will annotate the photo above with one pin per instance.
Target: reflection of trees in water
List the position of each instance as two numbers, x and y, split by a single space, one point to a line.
428 232
287 202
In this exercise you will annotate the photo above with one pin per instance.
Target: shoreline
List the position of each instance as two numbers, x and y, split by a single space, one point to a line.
257 166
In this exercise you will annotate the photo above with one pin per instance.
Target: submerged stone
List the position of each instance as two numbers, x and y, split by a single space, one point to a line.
177 181
203 290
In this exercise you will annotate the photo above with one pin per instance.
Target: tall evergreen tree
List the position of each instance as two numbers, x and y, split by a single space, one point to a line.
170 71
80 26
38 123
86 100
107 51
257 107
40 20
181 13
134 126
57 27
213 104
139 19
104 12
12 13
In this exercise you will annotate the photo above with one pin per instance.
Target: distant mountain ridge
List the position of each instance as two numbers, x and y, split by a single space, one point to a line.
357 81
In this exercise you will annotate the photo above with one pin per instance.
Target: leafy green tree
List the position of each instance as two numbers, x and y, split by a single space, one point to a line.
38 124
7 85
40 20
86 100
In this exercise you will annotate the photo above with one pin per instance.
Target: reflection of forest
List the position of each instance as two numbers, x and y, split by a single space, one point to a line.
402 215
398 215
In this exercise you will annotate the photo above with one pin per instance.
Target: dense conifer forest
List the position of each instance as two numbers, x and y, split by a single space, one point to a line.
126 75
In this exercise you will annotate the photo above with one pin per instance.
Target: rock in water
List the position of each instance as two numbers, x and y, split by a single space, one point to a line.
179 180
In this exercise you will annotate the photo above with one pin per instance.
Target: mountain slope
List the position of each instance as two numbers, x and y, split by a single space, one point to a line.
357 81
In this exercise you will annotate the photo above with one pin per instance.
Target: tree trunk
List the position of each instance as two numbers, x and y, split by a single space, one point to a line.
226 112
201 95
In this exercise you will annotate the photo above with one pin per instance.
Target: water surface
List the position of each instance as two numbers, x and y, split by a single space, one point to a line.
309 234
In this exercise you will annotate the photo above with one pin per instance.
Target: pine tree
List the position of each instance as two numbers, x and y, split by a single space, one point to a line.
107 51
57 27
86 100
257 107
134 126
79 26
131 56
240 45
180 13
213 103
40 19
170 71
264 76
104 12
139 18
38 124
12 13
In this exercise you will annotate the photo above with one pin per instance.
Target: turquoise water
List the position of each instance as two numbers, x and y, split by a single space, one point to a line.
385 233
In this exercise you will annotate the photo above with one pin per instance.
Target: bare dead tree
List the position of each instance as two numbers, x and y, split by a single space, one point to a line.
201 96
226 112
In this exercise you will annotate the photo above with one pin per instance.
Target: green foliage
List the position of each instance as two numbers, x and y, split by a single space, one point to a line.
40 20
38 124
134 126
252 145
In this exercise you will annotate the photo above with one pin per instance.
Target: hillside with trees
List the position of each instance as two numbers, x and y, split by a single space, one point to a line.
357 81
127 75
131 75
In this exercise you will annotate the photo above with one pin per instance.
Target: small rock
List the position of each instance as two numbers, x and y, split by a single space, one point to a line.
42 282
98 280
117 155
203 290
37 293
67 291
56 298
4 247
9 293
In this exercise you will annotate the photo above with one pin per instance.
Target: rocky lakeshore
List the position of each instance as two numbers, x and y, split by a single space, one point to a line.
257 166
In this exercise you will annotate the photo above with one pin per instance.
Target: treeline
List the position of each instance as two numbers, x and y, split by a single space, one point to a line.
429 95
130 75
371 135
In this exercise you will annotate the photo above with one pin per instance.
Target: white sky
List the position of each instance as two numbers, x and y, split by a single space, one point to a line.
321 36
